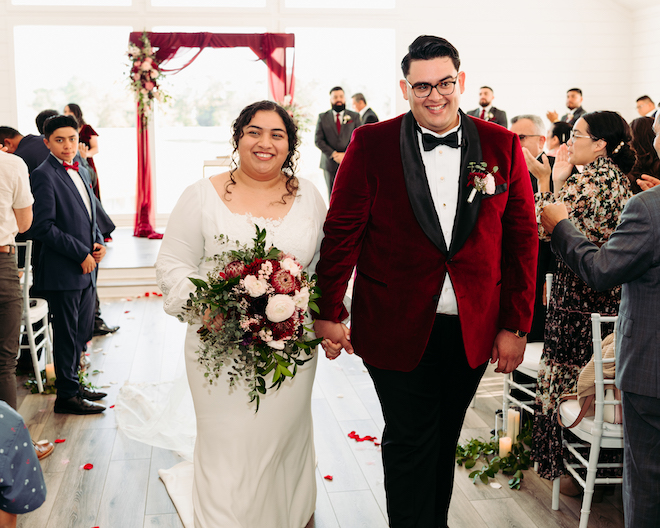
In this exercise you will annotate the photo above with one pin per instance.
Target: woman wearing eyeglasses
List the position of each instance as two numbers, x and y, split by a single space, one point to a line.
595 198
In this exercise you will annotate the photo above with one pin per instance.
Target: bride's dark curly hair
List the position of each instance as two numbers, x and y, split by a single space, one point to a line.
289 167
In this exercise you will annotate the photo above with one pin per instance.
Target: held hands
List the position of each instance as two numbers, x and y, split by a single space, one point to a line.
508 351
647 182
551 215
540 169
335 337
562 169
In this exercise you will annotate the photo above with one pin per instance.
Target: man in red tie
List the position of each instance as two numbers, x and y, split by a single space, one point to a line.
486 110
334 129
72 247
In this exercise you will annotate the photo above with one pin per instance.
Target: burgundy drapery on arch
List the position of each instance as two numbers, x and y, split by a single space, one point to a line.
269 47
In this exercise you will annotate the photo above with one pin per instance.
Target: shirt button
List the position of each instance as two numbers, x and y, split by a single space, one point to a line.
440 151
442 178
444 205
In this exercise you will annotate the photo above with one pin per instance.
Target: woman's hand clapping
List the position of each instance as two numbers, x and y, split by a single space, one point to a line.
562 169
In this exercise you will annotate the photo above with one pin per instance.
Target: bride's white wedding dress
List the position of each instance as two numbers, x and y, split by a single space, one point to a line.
250 469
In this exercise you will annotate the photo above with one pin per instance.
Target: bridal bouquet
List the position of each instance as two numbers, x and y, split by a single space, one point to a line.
257 300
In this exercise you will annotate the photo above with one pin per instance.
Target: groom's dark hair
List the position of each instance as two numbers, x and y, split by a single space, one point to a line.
427 47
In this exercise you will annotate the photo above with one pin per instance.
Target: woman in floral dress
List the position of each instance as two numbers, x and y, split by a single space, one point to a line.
595 199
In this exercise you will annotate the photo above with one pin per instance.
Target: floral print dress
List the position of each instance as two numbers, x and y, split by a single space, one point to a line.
595 199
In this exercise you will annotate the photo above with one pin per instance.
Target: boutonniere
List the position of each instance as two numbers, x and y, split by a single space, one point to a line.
480 179
347 119
490 116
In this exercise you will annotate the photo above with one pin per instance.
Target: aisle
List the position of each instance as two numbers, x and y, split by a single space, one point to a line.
123 489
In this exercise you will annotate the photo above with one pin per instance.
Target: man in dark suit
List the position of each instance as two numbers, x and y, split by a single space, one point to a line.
436 211
630 257
574 106
72 247
367 115
486 110
334 129
531 132
29 148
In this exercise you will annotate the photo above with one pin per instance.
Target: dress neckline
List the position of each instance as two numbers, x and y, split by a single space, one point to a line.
250 215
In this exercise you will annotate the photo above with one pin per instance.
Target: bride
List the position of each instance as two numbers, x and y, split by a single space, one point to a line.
250 469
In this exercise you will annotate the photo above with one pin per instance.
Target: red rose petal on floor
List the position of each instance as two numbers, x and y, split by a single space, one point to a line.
127 311
146 294
87 353
328 477
160 295
88 466
60 440
359 438
154 293
112 406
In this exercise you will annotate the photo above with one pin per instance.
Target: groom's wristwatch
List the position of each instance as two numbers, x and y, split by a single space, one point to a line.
517 333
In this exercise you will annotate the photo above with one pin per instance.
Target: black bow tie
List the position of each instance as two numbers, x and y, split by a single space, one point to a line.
430 141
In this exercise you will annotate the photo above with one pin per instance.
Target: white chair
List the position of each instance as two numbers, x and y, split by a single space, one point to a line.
529 368
34 310
592 430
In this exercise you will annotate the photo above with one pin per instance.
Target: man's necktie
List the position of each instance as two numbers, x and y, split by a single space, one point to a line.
338 125
74 166
430 141
483 114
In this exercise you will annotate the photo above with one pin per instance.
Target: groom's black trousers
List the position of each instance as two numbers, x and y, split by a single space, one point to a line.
424 411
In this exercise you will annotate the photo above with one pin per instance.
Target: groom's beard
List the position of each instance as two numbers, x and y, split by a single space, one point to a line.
339 107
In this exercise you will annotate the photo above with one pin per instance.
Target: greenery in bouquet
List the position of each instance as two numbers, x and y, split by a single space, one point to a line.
262 297
145 76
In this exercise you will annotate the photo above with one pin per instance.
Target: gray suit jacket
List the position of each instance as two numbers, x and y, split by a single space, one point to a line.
577 114
499 116
327 139
630 257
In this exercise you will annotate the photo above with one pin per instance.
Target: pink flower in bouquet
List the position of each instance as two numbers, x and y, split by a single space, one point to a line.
291 266
146 66
283 282
154 74
280 308
149 85
222 275
137 64
235 269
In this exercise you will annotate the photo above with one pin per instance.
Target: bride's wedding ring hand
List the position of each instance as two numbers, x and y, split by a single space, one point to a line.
332 350
335 336
212 324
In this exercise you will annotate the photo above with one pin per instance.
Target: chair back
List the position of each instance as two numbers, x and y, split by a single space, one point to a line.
601 383
26 280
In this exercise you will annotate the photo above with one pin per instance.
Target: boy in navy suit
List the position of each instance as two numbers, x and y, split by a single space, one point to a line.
72 247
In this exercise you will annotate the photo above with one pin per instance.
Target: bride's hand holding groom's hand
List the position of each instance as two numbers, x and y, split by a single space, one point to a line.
508 351
335 337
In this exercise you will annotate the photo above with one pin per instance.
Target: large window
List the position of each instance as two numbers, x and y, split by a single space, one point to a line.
86 65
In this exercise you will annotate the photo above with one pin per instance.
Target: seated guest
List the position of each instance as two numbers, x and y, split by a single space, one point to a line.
22 486
558 135
600 141
30 148
72 247
647 158
531 131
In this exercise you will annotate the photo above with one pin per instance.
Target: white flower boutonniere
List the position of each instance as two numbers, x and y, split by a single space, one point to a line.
491 116
347 118
480 179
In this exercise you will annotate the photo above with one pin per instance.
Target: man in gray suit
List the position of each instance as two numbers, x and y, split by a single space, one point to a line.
630 257
334 129
367 115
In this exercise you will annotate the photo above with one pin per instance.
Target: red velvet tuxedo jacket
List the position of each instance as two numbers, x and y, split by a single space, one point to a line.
383 220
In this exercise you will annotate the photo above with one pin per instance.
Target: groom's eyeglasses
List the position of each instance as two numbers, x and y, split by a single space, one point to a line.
422 90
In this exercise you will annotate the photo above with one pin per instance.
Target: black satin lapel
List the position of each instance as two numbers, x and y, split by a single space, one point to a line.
417 184
466 213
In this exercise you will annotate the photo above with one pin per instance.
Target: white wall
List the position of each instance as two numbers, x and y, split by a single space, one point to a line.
646 53
529 52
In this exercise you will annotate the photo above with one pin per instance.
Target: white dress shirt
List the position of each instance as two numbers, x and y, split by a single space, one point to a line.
443 169
80 185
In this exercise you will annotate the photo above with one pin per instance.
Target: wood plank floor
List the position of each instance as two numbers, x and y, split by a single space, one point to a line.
123 489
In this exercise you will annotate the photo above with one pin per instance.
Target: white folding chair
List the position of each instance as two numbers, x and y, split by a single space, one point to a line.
593 431
34 310
528 368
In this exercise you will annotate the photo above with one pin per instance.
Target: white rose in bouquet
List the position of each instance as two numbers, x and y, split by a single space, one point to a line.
255 287
279 308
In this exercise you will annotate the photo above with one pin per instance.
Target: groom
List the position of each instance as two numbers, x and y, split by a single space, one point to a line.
436 211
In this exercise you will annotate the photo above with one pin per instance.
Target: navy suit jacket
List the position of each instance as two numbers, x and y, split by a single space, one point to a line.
61 223
33 150
630 257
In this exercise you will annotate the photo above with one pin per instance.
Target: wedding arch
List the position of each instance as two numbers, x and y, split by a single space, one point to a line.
150 52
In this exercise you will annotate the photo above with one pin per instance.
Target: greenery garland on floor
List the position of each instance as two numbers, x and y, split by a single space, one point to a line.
49 386
518 460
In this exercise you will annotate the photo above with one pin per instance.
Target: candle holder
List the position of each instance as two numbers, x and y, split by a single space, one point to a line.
513 423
